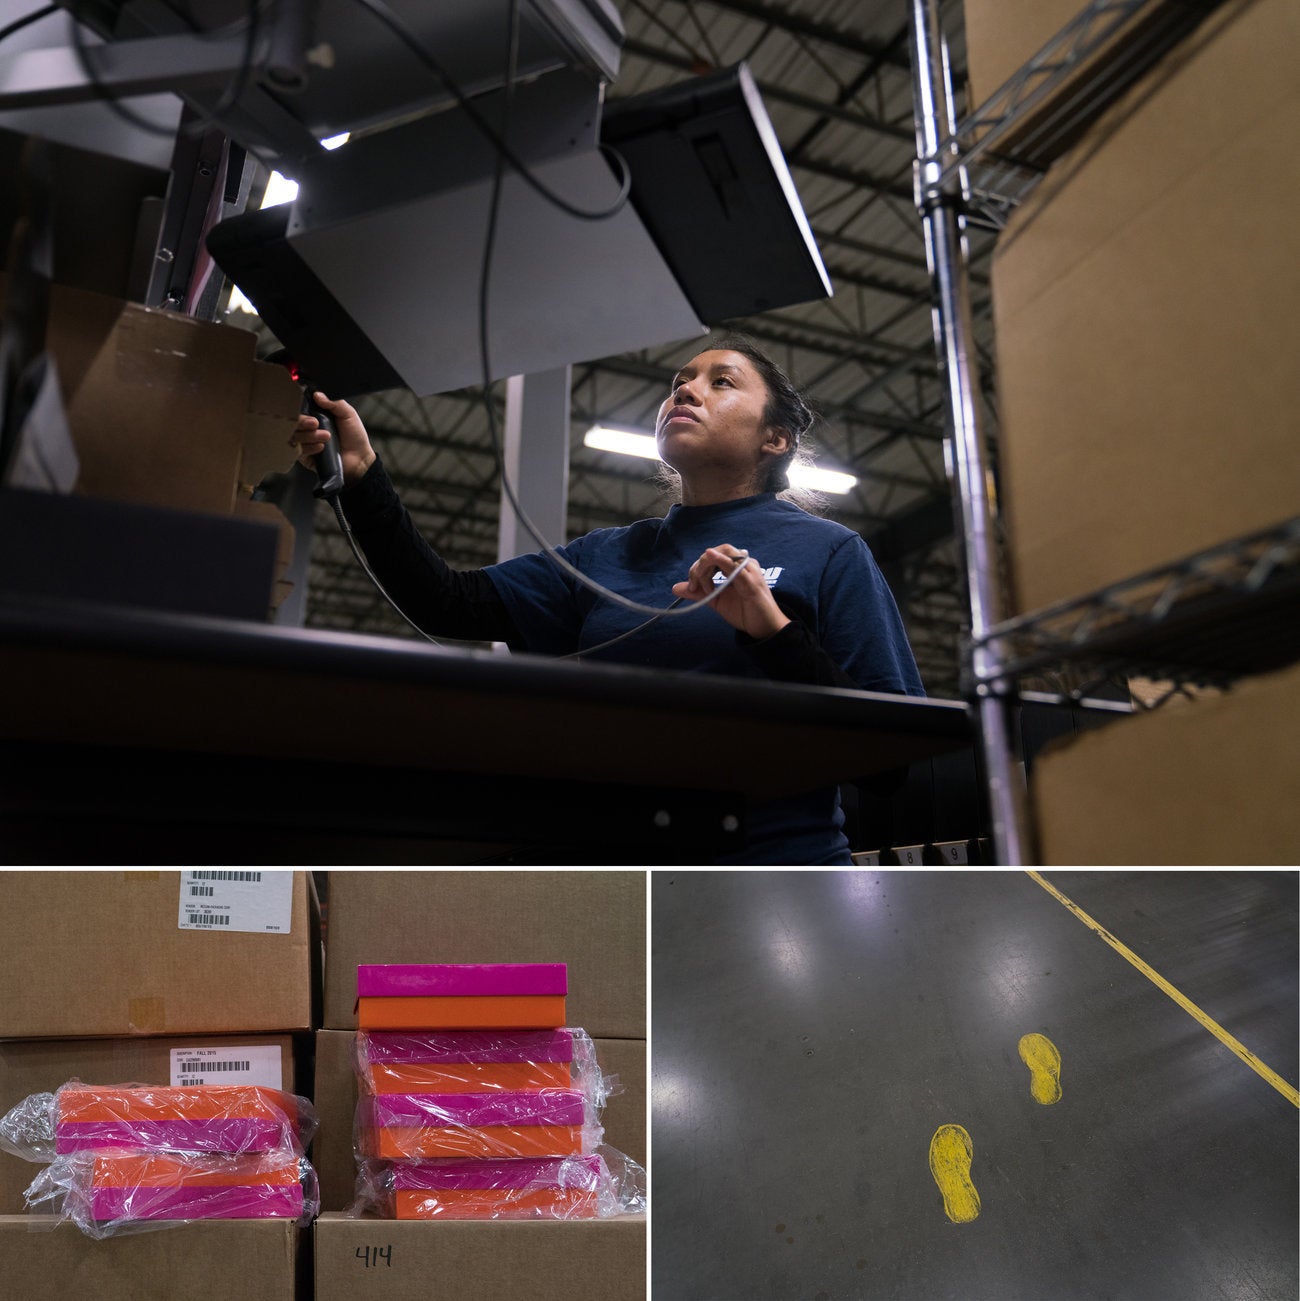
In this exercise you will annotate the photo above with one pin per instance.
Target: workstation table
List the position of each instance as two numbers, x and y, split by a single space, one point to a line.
126 729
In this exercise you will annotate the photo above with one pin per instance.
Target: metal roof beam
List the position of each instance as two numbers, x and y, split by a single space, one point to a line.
785 18
775 94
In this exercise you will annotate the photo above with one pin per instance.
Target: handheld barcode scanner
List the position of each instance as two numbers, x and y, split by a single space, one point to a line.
329 461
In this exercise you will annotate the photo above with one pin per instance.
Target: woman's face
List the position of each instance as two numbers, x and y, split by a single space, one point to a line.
713 418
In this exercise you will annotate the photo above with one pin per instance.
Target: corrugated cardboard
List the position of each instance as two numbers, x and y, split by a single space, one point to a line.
1211 782
166 410
42 1065
1145 312
486 1260
624 1117
593 921
1003 35
336 1099
91 954
235 1259
161 406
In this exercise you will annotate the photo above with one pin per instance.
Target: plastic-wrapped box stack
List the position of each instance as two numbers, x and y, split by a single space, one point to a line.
125 1157
474 1100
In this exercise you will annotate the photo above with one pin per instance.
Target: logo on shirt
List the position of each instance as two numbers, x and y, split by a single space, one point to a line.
770 576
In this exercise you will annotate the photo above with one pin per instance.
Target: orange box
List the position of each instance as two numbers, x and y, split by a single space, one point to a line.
417 1142
467 1077
503 1012
493 1203
160 1170
180 1103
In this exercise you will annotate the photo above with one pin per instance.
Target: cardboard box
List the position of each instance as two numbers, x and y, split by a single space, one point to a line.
1146 329
1211 782
593 921
1003 36
216 1258
624 1117
90 954
480 1260
336 1100
166 410
42 1065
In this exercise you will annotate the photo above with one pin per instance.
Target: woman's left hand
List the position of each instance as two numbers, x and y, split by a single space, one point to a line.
747 602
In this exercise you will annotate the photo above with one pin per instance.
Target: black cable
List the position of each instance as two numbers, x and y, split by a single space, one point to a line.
19 23
333 499
656 612
623 636
229 97
412 42
504 154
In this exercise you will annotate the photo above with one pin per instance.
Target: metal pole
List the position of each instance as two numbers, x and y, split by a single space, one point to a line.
940 202
535 458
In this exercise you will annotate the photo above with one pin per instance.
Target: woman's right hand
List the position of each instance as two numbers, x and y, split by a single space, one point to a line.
354 443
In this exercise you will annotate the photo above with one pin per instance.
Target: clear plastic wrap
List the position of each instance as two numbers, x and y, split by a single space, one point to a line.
112 1192
483 1061
593 1186
200 1118
519 1123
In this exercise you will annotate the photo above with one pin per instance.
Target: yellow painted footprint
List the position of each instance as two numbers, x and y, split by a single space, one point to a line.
950 1158
1039 1053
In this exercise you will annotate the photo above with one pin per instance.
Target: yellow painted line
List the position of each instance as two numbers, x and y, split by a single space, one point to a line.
1288 1091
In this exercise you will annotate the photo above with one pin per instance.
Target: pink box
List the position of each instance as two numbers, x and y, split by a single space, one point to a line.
385 1046
460 980
250 1202
552 1172
473 1110
224 1134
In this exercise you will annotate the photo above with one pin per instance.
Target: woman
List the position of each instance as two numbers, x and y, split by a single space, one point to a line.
807 605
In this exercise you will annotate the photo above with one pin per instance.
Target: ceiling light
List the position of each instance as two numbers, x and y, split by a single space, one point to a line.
611 438
632 442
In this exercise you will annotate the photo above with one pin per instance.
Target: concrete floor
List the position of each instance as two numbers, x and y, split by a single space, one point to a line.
813 1030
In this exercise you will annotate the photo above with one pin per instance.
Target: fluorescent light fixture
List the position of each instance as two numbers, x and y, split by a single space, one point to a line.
611 438
632 442
819 480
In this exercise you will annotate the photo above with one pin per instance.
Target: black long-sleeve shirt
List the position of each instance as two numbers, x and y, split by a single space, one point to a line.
465 604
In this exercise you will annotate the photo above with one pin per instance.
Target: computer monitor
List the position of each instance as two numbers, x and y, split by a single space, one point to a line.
375 271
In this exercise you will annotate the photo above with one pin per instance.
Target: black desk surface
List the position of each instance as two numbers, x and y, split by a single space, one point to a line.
86 675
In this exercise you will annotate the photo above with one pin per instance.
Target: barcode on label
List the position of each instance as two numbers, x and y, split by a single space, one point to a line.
201 891
209 919
225 876
182 1083
202 1068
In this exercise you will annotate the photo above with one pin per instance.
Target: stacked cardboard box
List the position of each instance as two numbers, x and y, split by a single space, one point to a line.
594 922
1208 783
1143 300
129 978
1146 337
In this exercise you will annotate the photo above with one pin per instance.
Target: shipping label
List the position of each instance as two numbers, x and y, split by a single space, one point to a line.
227 900
240 1064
